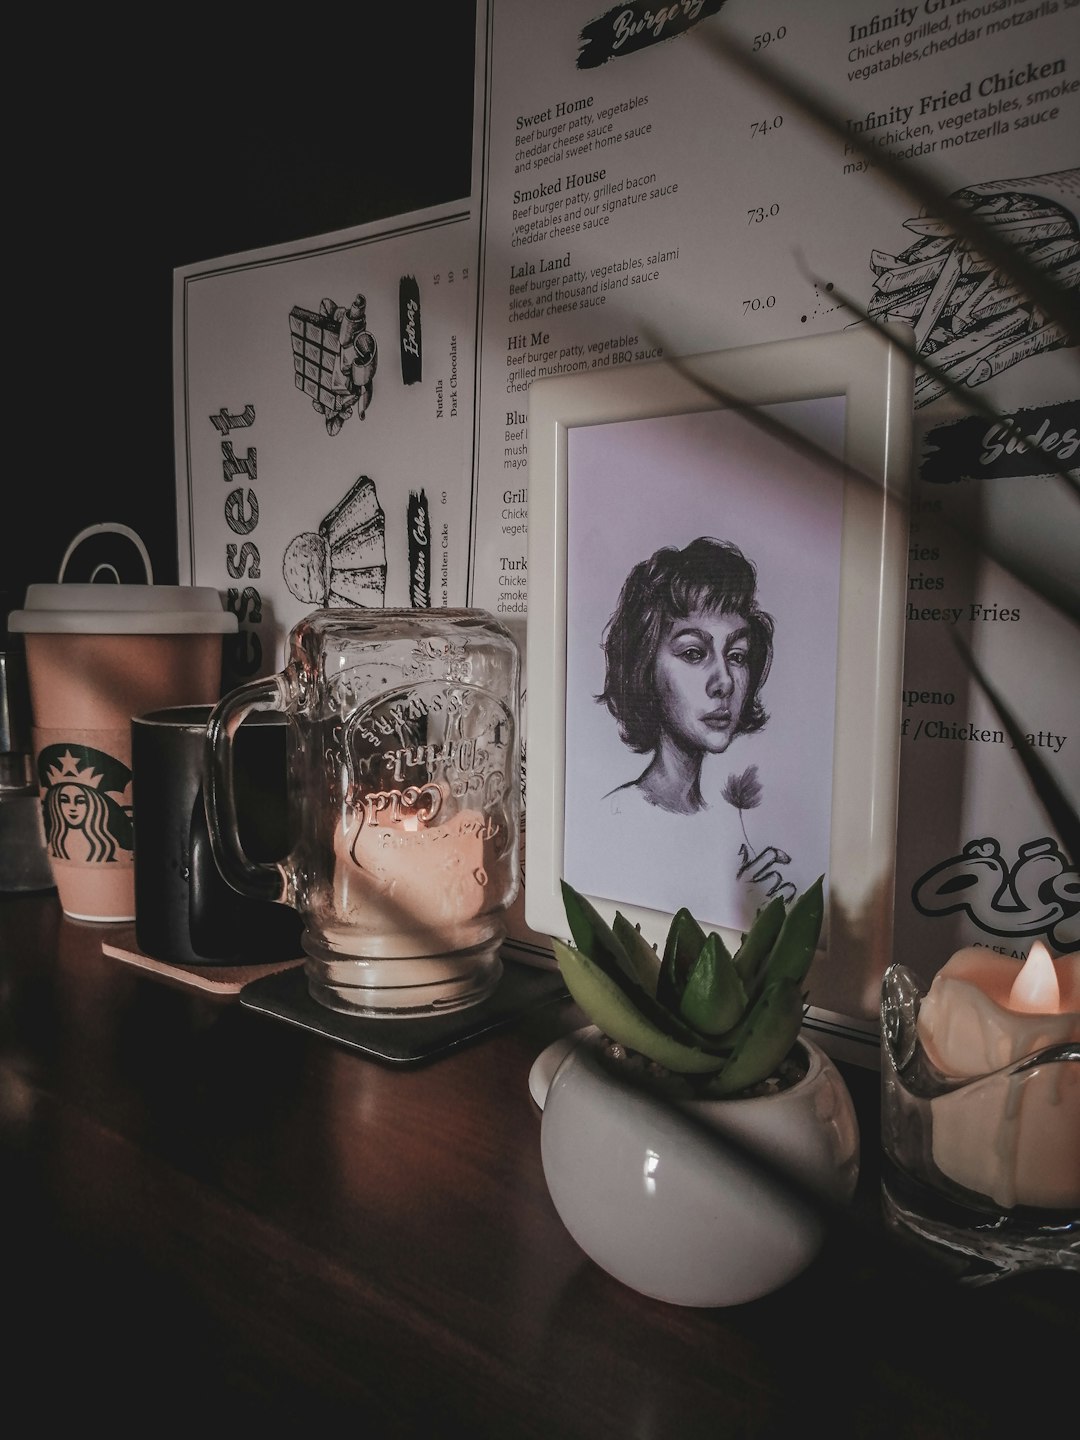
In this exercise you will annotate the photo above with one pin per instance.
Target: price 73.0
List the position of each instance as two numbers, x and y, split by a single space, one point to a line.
757 213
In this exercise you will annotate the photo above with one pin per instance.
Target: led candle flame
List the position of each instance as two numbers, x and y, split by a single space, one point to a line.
1036 990
1013 1132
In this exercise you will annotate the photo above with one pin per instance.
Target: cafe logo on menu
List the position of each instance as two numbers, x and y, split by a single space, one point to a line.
978 448
626 28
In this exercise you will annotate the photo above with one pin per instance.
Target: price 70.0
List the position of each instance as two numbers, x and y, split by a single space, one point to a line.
759 302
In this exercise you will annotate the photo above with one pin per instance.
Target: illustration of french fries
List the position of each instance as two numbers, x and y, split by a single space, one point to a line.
967 318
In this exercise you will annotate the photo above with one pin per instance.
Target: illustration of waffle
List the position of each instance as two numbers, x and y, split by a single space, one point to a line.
334 359
344 561
969 319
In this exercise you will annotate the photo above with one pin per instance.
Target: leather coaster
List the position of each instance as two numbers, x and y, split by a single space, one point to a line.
225 981
521 989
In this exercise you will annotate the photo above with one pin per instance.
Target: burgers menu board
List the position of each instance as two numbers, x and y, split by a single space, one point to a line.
644 197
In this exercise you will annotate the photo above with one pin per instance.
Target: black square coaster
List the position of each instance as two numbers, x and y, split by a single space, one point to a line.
405 1041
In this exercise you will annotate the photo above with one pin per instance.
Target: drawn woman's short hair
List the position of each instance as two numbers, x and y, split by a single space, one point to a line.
708 575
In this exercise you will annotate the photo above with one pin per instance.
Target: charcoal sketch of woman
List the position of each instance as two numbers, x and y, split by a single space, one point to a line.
688 650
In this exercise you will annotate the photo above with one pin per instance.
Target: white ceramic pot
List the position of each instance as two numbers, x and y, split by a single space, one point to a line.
656 1201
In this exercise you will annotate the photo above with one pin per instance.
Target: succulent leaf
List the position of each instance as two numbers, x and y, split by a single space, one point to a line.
714 999
752 955
685 938
794 947
633 1020
593 935
642 956
766 1035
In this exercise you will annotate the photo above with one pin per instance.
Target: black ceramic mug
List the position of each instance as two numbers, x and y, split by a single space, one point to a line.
185 912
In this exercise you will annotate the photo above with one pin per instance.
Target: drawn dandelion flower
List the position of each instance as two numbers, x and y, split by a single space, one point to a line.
744 792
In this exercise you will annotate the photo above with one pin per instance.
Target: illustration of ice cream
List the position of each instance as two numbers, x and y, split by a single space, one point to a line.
344 561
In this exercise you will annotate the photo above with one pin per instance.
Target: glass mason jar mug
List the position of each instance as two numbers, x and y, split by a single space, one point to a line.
404 803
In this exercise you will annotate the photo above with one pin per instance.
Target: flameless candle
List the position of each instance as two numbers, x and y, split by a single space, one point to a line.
1010 1134
431 887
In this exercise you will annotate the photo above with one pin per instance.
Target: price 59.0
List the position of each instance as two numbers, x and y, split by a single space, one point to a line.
766 38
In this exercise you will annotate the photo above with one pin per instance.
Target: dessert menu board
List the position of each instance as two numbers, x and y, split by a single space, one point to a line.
324 409
636 197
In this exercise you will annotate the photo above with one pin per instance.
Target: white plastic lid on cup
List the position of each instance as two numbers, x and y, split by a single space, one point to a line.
105 609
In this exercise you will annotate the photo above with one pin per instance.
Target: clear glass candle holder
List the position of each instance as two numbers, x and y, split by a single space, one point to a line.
968 1161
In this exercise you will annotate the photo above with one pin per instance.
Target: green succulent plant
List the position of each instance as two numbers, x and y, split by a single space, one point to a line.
696 1009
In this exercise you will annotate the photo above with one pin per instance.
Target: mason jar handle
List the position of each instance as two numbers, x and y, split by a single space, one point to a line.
259 881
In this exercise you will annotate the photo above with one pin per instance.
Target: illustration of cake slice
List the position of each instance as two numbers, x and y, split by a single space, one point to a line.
344 561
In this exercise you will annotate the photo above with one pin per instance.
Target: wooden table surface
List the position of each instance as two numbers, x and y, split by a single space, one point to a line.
212 1215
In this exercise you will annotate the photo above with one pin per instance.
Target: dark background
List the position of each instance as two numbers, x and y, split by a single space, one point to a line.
132 162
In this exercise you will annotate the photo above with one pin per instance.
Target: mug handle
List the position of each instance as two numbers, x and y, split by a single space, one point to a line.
212 903
257 880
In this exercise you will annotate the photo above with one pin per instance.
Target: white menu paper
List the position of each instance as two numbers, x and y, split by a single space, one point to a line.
641 198
637 197
323 425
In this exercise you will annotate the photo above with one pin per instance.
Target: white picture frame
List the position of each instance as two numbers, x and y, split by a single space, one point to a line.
597 441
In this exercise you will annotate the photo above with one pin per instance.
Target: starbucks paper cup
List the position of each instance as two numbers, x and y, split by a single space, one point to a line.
98 655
